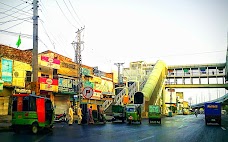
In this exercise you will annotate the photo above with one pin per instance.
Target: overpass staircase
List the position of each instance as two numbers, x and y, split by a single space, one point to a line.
151 86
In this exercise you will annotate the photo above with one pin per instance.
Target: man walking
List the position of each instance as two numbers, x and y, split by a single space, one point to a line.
79 112
71 115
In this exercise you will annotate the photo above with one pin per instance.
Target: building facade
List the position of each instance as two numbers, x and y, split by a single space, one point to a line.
57 79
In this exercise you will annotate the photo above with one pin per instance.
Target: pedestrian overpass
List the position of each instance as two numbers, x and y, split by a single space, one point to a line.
153 86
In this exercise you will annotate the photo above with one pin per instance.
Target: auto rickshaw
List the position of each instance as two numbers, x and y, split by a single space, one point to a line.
133 113
154 114
32 112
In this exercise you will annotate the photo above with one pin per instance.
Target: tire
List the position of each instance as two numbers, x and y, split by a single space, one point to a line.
35 128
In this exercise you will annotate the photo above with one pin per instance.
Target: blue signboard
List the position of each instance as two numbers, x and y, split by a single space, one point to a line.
7 69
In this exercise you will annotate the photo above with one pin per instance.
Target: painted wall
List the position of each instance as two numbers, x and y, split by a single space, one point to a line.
19 73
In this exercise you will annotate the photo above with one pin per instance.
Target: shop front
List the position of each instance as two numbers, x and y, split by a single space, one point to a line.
66 92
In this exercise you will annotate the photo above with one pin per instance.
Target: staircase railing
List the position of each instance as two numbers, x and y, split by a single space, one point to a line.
131 92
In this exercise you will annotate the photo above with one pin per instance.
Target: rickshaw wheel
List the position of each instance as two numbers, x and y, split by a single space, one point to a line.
34 128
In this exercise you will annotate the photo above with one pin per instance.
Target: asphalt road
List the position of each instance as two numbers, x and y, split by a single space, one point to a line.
180 128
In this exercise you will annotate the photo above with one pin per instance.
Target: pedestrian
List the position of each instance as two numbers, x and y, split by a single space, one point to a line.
71 115
91 121
79 112
101 113
196 113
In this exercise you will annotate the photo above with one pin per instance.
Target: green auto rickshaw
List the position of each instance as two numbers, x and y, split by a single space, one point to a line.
154 114
133 113
32 112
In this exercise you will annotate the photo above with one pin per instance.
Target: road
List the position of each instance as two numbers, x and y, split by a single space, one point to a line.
179 128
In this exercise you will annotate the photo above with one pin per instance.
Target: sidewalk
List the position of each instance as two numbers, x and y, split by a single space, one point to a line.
5 123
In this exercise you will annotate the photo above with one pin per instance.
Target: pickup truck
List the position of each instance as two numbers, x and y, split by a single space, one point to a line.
212 113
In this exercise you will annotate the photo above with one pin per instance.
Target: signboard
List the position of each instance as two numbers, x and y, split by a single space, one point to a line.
87 92
66 85
85 71
50 62
48 84
7 69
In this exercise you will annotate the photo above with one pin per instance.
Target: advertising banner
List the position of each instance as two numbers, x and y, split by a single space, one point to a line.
49 62
7 68
67 85
48 84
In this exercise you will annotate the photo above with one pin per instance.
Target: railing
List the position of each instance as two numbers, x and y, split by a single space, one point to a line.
131 92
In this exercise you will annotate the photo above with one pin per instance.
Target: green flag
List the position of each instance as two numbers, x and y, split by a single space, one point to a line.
18 41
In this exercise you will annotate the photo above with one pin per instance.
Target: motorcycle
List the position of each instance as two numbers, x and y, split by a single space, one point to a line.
61 117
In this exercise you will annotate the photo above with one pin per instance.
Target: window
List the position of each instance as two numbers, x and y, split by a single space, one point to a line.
45 75
130 109
28 76
55 75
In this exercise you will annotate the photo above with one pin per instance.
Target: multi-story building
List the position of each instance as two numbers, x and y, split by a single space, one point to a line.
58 79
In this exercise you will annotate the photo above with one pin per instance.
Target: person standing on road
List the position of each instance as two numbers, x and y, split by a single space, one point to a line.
71 115
196 113
79 112
91 121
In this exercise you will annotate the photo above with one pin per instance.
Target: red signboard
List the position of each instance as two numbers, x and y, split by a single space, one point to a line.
48 84
50 62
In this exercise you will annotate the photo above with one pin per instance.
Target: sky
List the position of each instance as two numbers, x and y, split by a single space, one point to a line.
178 32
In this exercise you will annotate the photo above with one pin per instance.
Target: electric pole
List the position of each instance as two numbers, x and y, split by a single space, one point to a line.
35 43
119 77
78 60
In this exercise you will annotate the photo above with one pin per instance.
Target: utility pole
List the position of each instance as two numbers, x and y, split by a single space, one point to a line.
35 43
119 77
78 60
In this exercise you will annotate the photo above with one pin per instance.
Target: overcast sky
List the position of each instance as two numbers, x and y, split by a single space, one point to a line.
176 31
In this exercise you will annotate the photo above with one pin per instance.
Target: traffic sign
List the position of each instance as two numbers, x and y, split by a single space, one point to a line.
87 92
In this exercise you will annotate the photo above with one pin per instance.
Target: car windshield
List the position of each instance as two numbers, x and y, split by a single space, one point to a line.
130 109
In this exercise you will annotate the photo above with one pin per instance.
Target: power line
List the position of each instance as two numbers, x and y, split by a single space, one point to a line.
16 34
14 17
14 25
18 19
190 54
75 12
14 8
70 12
13 12
65 15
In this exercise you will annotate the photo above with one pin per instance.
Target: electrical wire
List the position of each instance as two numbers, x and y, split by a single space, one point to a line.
14 8
65 15
14 17
16 34
76 13
18 19
14 25
14 12
70 12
